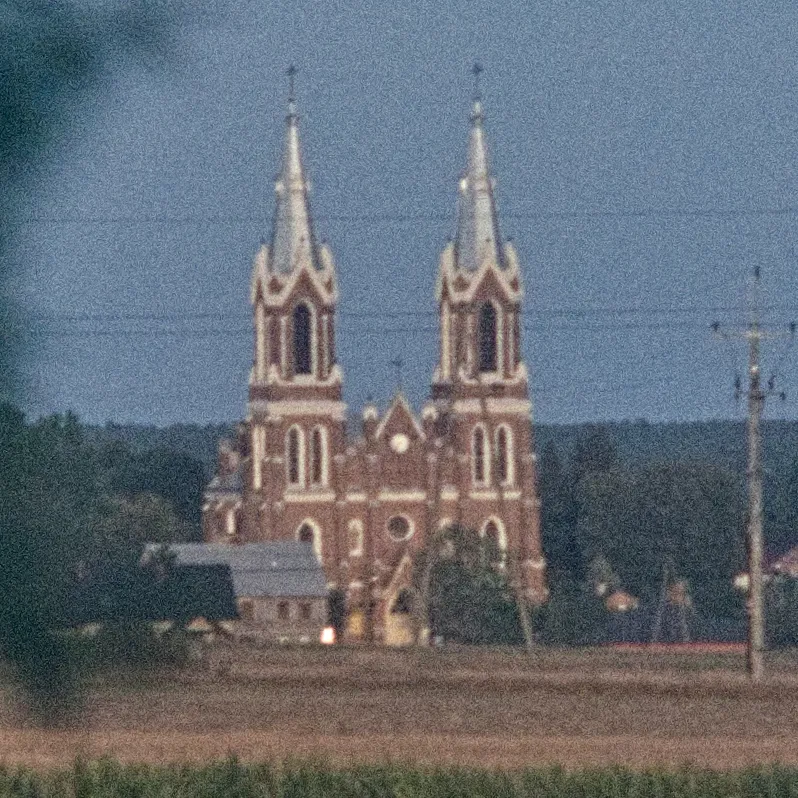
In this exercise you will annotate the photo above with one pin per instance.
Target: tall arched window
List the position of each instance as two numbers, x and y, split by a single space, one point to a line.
479 455
308 532
496 542
318 456
303 354
487 338
504 456
294 456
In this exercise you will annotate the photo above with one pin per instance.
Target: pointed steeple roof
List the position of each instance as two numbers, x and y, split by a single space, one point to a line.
292 241
478 238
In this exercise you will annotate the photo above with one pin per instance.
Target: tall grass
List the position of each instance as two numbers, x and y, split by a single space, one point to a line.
107 778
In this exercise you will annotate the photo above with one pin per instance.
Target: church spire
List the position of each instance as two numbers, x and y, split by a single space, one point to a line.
292 242
478 238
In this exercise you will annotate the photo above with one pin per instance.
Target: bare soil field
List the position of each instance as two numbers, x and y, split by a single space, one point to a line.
451 706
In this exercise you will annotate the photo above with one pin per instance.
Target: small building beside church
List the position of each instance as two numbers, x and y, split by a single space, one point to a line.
279 586
368 502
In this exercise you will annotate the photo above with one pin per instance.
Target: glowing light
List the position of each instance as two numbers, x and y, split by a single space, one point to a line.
327 636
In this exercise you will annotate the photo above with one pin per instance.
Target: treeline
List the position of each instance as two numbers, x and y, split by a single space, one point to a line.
71 509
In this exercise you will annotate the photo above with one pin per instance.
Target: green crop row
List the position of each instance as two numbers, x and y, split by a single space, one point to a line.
231 779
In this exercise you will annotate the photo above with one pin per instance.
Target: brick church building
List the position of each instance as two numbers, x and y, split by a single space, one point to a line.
368 500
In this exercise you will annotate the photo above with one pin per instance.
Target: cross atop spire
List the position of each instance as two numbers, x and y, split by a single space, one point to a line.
476 110
291 72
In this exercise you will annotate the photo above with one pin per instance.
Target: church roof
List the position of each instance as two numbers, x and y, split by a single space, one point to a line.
478 238
293 243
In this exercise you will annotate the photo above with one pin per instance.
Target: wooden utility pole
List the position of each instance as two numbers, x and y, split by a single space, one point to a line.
756 610
755 394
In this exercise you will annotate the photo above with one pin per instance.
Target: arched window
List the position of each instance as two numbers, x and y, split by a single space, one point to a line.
479 456
496 542
308 532
295 456
504 456
303 353
487 338
318 456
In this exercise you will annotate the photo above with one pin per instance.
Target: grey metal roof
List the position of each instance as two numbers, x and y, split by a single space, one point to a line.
275 568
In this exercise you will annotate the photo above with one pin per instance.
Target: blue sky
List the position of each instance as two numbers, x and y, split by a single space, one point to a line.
645 160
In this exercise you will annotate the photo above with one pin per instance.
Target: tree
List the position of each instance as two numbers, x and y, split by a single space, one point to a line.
467 596
161 471
558 517
687 516
52 54
594 452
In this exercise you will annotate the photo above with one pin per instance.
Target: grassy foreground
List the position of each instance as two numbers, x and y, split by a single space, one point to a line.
232 779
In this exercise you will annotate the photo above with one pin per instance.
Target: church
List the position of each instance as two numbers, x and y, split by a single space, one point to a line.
369 499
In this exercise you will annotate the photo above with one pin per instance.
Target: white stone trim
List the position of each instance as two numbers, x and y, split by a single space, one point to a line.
449 494
258 450
446 344
402 495
301 407
536 565
356 497
493 406
483 495
308 496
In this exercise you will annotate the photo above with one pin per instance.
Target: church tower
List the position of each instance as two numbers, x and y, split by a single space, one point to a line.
295 424
480 389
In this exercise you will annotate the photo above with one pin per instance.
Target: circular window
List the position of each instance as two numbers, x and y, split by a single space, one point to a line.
400 443
399 528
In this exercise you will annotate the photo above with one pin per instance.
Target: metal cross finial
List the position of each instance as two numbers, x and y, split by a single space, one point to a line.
477 70
291 72
398 363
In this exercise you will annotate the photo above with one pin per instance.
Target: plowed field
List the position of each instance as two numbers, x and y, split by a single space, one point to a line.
433 706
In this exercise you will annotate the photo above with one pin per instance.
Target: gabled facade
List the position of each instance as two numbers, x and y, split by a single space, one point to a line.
369 503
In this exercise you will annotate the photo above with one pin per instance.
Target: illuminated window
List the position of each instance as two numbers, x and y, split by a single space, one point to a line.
487 338
303 354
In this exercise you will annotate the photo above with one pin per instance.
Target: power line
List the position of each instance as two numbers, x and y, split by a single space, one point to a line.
566 314
398 217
